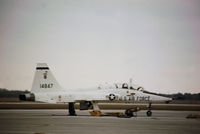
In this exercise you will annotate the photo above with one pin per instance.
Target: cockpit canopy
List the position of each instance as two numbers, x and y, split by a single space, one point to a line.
122 86
128 86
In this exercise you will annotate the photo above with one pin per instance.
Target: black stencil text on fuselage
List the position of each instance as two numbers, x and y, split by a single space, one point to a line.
46 85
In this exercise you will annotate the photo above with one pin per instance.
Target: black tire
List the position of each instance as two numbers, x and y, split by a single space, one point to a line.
149 113
129 113
72 111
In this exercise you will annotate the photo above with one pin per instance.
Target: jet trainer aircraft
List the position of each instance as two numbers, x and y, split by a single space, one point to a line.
45 88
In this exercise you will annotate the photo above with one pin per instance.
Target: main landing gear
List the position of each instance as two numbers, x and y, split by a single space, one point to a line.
96 111
72 111
149 113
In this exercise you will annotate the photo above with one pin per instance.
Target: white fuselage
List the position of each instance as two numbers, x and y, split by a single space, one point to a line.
94 94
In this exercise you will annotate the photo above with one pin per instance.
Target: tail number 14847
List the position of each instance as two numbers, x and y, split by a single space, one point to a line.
46 85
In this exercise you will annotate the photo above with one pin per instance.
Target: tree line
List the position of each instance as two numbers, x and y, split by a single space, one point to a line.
4 93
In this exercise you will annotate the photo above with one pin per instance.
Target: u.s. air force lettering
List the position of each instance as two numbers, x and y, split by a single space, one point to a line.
46 85
143 98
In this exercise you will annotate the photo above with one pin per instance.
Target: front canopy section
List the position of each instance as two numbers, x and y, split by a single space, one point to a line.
121 86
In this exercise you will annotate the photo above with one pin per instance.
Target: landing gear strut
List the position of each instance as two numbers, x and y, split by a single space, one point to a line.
149 113
72 111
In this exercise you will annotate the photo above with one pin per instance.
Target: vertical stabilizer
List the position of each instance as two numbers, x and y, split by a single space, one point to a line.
44 80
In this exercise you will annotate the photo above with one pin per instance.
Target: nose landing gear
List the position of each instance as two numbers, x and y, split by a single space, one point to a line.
149 113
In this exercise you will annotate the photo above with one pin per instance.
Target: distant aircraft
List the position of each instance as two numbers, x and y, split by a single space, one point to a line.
45 88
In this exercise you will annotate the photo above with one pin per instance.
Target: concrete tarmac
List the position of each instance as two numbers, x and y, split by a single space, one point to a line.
57 122
103 106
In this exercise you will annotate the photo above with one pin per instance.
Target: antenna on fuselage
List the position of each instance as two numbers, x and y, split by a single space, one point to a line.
130 82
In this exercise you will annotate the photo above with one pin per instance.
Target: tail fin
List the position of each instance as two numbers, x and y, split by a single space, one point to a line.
44 81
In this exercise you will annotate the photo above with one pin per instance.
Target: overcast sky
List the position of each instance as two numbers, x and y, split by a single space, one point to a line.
87 42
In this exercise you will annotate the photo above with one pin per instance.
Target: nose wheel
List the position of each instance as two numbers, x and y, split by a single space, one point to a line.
149 113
